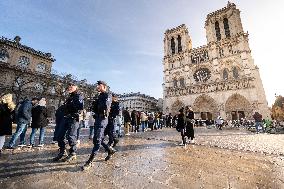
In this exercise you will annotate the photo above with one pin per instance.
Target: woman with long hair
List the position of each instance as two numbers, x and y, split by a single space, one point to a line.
7 107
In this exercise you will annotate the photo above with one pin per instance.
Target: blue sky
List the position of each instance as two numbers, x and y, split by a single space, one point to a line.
121 41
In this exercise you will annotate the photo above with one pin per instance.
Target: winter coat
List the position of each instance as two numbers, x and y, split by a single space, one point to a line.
180 121
134 119
257 117
126 116
24 112
6 118
39 117
59 114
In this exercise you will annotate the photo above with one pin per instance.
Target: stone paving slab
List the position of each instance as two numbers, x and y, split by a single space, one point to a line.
143 162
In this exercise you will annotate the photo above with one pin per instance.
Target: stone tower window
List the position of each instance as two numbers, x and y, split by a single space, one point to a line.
226 27
24 62
217 29
173 45
4 55
41 67
179 43
181 82
175 83
235 73
225 74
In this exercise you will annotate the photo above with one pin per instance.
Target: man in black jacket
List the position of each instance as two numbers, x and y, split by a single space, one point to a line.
110 130
101 109
72 107
23 119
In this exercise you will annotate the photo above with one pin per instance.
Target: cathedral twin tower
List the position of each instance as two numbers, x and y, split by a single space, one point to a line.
219 78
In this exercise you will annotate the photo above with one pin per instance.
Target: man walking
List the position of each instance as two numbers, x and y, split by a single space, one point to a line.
101 108
110 130
72 107
23 119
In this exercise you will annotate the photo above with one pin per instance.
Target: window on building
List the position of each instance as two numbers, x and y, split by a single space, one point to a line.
24 62
38 87
175 83
173 45
4 55
235 73
226 27
179 43
217 30
41 67
19 81
181 82
225 74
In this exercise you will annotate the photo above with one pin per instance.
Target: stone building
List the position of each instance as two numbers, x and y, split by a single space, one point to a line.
219 78
26 72
138 102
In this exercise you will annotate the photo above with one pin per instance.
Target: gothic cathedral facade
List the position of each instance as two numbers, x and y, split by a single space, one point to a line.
219 78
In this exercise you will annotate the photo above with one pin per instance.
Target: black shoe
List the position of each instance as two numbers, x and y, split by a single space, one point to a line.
110 154
115 142
10 147
58 157
88 163
70 158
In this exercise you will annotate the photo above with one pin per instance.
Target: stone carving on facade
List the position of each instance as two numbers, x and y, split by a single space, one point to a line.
212 87
177 105
204 103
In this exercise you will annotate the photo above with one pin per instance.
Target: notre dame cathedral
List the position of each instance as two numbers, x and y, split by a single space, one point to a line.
219 78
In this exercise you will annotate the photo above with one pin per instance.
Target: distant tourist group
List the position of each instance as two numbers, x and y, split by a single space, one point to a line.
105 115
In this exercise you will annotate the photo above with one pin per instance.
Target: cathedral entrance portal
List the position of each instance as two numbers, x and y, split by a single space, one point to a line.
237 115
205 107
237 107
206 115
176 106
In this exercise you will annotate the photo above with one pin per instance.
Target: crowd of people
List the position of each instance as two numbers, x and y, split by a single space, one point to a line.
104 117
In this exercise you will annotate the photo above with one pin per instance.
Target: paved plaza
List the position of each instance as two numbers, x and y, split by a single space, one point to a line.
219 159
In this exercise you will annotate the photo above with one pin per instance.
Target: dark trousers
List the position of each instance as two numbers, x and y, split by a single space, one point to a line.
59 122
110 131
98 140
190 131
183 134
68 128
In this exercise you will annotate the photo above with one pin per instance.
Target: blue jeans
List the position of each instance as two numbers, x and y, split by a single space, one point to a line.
257 125
20 131
68 128
98 140
91 135
41 135
143 125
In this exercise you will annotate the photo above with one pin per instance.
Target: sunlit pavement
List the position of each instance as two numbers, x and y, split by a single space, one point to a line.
152 160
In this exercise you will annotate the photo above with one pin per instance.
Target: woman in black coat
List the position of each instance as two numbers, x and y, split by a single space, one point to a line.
181 125
39 121
6 117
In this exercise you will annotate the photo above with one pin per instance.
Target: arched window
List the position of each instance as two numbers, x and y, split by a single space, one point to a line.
4 55
179 43
38 87
226 27
173 45
235 73
41 67
24 62
175 83
181 82
217 29
225 74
